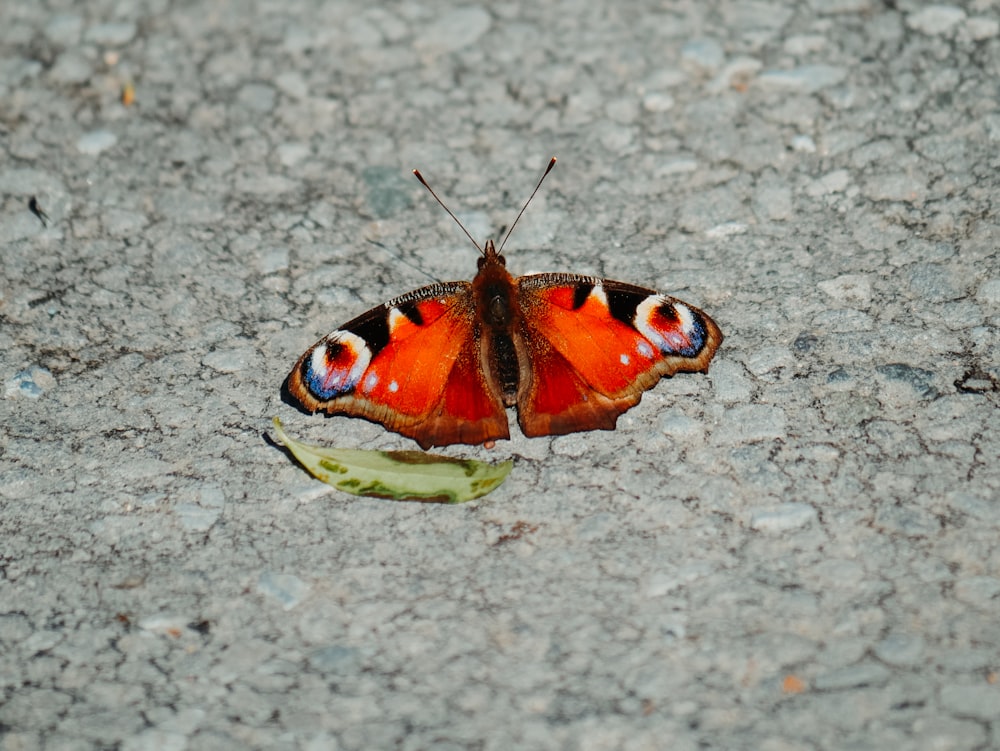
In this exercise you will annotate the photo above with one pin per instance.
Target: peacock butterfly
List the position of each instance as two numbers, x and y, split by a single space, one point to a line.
441 363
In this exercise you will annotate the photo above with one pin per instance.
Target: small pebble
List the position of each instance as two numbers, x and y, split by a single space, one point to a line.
231 360
195 518
806 79
596 526
292 154
769 358
293 84
783 518
676 424
677 166
657 102
775 201
938 732
664 582
736 74
744 423
849 288
165 625
979 29
287 589
111 34
29 383
981 509
832 182
96 141
335 659
64 29
853 676
805 44
453 30
71 68
920 380
257 97
202 515
978 591
836 7
935 19
989 292
271 260
980 702
901 650
727 229
702 56
730 382
804 144
265 186
155 739
896 186
936 282
570 445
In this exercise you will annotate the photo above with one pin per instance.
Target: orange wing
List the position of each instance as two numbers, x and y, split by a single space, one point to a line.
412 364
596 345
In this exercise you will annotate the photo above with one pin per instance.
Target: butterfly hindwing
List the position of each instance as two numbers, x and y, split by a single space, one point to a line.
596 345
411 364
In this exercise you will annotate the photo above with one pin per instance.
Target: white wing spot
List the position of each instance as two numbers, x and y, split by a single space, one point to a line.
599 294
393 386
371 381
624 359
687 318
395 317
644 349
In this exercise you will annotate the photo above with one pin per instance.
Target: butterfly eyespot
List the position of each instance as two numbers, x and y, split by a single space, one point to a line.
599 295
671 326
667 313
335 367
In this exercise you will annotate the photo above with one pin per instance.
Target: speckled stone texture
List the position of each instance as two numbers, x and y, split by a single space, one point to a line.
800 550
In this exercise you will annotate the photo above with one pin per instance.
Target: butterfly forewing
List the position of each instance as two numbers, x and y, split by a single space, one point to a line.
405 364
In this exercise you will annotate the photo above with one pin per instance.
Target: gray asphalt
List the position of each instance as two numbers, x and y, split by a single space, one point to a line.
800 550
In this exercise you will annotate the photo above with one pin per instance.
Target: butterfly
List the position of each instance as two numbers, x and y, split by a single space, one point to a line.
442 363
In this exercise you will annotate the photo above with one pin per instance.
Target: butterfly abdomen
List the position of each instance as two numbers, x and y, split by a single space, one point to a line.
498 305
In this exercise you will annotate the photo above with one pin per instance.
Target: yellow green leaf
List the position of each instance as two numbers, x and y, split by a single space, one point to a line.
398 475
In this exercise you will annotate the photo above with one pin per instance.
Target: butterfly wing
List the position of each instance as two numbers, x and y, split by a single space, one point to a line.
595 345
412 364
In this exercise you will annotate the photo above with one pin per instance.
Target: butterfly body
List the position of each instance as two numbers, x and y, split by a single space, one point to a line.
440 364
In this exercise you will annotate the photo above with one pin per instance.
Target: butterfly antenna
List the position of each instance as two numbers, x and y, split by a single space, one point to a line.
402 260
552 163
416 173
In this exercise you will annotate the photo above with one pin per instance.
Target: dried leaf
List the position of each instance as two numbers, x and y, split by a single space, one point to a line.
397 475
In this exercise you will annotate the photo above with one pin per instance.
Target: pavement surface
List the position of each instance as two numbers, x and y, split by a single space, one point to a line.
800 550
